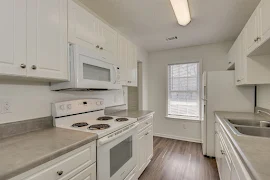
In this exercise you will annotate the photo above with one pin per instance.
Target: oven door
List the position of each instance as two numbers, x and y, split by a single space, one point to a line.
117 158
92 72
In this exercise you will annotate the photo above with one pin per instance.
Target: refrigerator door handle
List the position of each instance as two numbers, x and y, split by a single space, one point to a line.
204 99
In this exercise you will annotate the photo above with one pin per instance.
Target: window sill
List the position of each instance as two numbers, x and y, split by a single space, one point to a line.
183 118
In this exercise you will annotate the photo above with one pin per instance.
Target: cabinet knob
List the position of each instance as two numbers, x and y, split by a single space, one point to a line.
146 133
258 38
34 67
97 46
255 40
23 66
238 80
230 62
60 173
101 48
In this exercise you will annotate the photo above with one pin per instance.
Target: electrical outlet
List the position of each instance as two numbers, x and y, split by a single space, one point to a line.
5 106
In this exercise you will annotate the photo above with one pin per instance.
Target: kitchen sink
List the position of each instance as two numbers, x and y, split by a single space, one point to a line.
253 131
244 122
249 123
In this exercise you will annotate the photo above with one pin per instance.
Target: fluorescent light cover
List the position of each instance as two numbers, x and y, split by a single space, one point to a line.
181 10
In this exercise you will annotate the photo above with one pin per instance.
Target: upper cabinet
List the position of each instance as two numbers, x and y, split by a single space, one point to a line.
88 31
258 30
47 39
122 59
251 50
108 43
82 26
13 37
34 39
132 65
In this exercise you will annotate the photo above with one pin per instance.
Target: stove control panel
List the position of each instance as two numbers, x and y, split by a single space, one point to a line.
76 107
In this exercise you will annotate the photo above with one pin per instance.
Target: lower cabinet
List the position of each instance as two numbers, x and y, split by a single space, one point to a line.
230 166
79 164
145 144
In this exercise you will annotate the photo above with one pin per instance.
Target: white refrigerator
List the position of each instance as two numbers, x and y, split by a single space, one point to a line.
219 93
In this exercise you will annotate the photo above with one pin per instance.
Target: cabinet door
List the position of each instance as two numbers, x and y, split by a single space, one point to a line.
47 39
149 143
82 27
141 153
264 15
240 58
218 152
234 173
252 32
13 37
122 58
132 65
108 46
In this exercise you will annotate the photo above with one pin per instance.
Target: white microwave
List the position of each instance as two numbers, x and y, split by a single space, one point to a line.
89 72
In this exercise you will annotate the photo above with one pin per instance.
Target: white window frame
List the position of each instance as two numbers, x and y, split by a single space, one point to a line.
200 90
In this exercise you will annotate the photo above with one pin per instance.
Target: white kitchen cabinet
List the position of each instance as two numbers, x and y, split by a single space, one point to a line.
13 37
234 173
230 165
264 23
145 144
218 154
258 30
122 58
240 59
141 161
79 164
82 27
88 31
132 65
252 32
108 44
47 39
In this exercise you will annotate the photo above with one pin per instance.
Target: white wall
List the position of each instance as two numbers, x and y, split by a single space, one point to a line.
213 56
32 100
263 96
143 57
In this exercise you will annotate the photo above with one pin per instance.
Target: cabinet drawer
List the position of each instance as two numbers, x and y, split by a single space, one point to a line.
226 141
145 122
68 166
87 174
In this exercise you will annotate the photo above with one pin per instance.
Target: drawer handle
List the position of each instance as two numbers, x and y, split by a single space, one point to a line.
60 173
146 134
147 123
222 152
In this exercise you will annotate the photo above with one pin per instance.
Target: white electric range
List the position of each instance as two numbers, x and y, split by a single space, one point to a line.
117 141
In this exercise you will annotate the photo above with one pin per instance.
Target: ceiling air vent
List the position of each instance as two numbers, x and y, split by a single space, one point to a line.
171 38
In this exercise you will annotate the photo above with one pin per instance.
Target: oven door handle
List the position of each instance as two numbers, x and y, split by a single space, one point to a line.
108 138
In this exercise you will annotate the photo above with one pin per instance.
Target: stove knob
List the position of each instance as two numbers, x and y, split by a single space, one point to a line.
97 103
62 107
69 106
101 103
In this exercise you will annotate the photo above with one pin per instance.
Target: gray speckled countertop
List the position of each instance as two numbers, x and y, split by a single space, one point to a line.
132 113
254 151
21 153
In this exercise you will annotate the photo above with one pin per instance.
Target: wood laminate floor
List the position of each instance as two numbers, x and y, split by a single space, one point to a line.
179 160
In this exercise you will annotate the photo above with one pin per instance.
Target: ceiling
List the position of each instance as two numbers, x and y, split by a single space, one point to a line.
149 22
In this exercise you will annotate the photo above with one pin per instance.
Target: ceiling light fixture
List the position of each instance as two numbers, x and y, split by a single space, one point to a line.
181 10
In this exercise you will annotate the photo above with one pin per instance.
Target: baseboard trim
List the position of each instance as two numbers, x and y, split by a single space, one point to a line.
178 138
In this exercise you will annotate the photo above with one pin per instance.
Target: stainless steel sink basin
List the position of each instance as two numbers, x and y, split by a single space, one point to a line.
253 131
244 122
249 123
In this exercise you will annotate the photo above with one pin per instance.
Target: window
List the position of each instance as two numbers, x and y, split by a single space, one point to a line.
183 91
